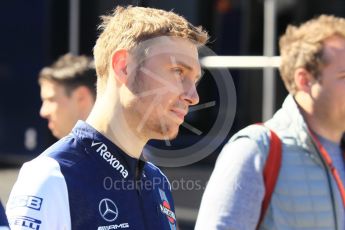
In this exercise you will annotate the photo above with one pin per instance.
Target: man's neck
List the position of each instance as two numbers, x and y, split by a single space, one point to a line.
324 130
114 126
321 126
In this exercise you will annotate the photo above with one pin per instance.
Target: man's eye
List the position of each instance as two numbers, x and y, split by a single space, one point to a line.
50 100
178 71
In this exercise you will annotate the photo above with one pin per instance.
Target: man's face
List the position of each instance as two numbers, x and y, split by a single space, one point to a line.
58 108
164 87
329 91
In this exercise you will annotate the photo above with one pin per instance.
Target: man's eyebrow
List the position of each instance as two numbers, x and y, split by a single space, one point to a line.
341 72
185 65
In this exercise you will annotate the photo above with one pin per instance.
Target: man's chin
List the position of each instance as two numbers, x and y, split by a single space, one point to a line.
57 135
172 137
168 135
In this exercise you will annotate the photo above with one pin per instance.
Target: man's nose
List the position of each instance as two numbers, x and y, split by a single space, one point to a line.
44 110
190 94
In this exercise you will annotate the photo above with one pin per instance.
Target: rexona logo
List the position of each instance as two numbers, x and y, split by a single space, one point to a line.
109 157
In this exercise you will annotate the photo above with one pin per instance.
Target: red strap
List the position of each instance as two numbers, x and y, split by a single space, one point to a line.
271 172
333 170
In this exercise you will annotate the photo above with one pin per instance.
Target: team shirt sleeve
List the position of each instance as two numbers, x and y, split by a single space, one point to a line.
3 219
39 198
234 193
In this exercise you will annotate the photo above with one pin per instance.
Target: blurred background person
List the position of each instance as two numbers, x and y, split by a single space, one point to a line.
68 91
309 193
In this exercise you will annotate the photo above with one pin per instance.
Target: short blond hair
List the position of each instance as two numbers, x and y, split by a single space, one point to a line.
302 47
126 27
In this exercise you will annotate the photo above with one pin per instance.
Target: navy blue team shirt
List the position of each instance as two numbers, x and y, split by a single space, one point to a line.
3 219
84 181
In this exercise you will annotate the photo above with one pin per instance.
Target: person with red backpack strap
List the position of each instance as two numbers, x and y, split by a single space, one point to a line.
289 173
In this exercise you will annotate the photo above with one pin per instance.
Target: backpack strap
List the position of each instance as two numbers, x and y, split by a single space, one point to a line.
271 172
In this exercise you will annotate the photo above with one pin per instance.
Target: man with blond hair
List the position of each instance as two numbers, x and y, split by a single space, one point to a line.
68 92
147 66
309 191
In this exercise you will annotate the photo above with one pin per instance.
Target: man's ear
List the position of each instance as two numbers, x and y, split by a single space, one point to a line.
82 95
83 101
119 65
303 80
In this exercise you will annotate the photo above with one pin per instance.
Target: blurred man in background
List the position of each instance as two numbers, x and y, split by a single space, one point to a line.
68 92
309 192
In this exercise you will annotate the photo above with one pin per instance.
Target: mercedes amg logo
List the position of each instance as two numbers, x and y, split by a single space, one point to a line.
108 210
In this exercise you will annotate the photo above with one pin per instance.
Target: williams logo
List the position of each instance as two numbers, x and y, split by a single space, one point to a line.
102 149
166 210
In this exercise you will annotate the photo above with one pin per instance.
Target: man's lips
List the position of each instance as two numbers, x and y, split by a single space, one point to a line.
181 113
50 124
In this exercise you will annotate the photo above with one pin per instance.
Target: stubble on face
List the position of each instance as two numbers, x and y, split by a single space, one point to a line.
143 110
157 100
329 106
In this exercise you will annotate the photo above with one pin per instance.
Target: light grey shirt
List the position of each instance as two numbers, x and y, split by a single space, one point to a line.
233 197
